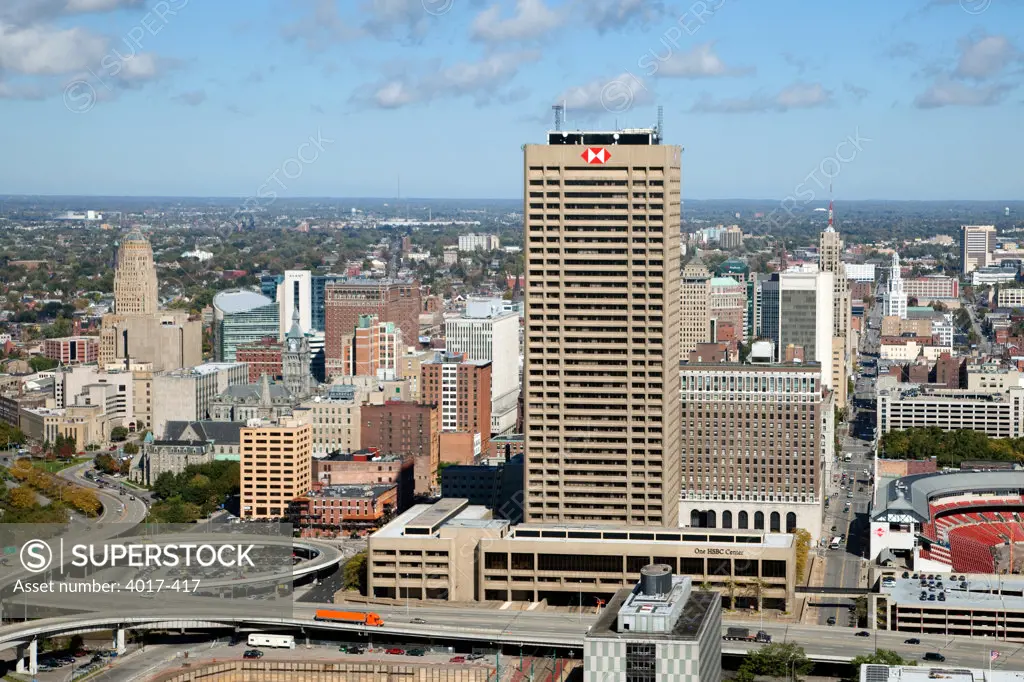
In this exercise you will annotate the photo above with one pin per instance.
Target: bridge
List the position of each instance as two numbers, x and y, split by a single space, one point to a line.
835 591
478 623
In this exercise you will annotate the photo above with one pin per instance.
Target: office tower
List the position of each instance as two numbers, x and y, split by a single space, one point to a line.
135 287
276 467
295 361
753 445
269 284
372 349
727 309
694 306
766 308
802 316
318 293
977 242
462 389
487 332
390 300
731 237
408 429
830 251
262 357
186 394
293 294
601 379
894 300
241 317
72 350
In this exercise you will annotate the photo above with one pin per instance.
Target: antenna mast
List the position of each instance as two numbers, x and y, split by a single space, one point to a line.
830 204
661 124
559 110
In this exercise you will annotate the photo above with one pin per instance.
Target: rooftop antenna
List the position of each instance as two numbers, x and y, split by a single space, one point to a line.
830 227
661 123
559 110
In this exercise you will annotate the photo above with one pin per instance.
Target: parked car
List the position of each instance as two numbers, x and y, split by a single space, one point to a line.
395 651
474 657
253 653
831 620
912 640
416 652
863 633
457 659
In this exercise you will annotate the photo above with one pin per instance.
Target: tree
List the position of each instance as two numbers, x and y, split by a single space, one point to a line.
42 364
880 657
860 610
756 588
775 660
354 573
107 464
803 548
22 497
131 449
118 433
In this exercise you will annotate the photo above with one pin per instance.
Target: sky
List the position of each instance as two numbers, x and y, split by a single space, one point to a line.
914 99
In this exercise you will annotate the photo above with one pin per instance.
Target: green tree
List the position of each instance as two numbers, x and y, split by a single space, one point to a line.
775 660
880 657
354 573
131 449
42 364
118 433
803 549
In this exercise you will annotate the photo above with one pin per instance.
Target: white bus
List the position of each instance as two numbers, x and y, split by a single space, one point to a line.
275 641
835 542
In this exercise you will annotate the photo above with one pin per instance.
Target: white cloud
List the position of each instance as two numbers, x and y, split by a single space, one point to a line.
607 15
531 19
43 50
612 95
322 28
795 96
192 98
482 80
985 57
699 62
946 92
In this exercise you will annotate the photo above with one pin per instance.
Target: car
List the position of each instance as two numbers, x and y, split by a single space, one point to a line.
942 596
912 640
905 575
474 657
931 597
253 653
351 649
394 651
863 633
416 652
457 659
914 577
418 621
831 620
835 528
934 656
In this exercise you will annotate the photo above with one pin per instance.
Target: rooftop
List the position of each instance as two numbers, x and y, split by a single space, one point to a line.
925 673
240 301
352 491
700 608
977 592
628 136
921 488
428 519
204 369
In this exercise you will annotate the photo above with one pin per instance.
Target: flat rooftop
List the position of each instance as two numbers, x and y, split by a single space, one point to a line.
927 673
700 607
628 136
981 592
352 491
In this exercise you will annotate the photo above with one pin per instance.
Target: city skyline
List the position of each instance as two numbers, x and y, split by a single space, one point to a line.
188 116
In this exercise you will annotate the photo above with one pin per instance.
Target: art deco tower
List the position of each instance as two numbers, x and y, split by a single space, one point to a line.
601 385
135 288
830 250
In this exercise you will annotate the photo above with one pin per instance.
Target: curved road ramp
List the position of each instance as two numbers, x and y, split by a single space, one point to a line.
51 570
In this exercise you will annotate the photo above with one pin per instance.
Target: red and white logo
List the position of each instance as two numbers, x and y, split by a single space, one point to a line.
594 155
880 532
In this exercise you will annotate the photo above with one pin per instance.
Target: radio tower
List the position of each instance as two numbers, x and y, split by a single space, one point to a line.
831 228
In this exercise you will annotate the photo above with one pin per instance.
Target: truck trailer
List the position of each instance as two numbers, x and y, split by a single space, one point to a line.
332 616
273 641
743 635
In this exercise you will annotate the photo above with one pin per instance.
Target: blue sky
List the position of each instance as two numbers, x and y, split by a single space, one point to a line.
215 97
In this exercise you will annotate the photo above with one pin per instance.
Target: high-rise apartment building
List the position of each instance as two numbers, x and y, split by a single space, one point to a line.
390 300
894 300
479 242
461 388
241 317
487 332
276 467
755 437
135 287
294 295
977 242
601 380
372 349
694 306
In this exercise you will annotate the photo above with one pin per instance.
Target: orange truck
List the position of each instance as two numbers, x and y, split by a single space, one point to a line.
329 615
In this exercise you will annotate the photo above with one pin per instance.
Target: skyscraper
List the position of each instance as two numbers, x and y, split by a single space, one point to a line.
694 305
894 300
830 260
293 295
601 343
976 245
135 288
805 318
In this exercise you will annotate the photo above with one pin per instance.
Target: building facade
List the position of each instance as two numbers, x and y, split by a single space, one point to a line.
294 296
135 285
932 288
262 357
390 300
168 339
479 242
755 438
406 429
276 467
727 307
372 349
171 456
487 332
601 390
694 306
462 390
335 422
996 414
188 394
240 318
977 242
72 350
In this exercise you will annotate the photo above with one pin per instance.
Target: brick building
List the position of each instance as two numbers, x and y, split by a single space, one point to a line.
333 508
406 429
372 349
390 300
263 356
368 467
462 388
72 350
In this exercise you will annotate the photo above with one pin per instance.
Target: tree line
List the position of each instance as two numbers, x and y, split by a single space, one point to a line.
950 448
194 493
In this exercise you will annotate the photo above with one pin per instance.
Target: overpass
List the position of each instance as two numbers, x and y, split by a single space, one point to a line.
475 623
835 591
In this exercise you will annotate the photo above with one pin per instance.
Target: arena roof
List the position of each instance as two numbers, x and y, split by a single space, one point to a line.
923 487
238 301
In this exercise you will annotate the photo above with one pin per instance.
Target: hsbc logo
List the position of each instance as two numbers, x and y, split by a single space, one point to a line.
595 155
